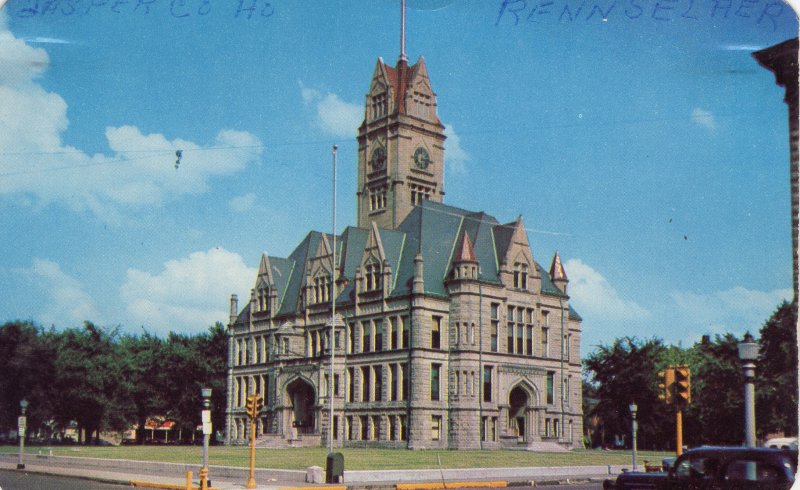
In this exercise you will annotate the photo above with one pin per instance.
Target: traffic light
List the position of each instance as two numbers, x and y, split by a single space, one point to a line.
255 403
683 385
666 379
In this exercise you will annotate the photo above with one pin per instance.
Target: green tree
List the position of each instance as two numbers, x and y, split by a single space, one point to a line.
145 376
26 364
625 372
88 371
776 383
715 414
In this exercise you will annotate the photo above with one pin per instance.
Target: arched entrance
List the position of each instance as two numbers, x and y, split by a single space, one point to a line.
517 412
300 400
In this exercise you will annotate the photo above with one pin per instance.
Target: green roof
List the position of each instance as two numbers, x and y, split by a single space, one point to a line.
431 229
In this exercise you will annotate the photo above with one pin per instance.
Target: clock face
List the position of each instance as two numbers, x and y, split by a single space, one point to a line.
378 159
421 158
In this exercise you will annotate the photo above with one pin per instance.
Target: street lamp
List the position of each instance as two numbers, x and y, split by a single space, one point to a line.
748 354
206 419
21 423
633 408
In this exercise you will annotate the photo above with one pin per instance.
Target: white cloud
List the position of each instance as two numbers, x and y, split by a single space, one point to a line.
454 156
185 295
595 297
333 116
704 118
244 203
734 310
66 304
139 171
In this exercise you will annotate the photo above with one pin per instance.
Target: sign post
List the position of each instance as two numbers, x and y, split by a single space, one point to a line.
22 423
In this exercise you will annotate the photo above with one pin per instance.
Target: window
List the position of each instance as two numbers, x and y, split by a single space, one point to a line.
336 427
436 333
378 325
495 327
436 427
336 391
404 321
351 338
372 276
376 428
487 383
366 338
393 333
529 340
435 372
391 428
392 382
378 371
364 434
322 289
550 382
365 372
521 275
351 379
510 329
545 342
403 428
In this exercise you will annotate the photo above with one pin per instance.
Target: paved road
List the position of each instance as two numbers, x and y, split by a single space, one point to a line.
19 480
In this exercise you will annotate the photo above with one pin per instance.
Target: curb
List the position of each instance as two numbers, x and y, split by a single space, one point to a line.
445 485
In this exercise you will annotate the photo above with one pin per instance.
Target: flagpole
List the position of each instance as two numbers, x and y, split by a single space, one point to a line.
331 343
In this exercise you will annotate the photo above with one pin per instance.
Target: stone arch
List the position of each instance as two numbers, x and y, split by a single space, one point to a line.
522 398
300 397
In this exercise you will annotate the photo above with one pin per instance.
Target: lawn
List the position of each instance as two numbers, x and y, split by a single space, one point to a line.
355 459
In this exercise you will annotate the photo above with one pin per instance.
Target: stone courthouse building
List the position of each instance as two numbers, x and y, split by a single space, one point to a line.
449 334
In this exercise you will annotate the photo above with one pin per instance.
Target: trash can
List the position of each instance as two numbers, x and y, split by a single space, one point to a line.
334 468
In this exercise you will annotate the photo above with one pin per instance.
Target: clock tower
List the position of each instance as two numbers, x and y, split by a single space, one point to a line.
400 144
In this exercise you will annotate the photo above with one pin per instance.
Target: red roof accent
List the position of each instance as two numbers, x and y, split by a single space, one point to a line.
556 269
466 253
398 79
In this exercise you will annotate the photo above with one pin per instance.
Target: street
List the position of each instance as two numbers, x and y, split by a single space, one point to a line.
19 480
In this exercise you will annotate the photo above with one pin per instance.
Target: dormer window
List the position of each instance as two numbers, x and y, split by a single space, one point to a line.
372 276
520 275
262 297
322 289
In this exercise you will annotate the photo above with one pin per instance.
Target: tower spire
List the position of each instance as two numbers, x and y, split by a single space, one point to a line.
403 30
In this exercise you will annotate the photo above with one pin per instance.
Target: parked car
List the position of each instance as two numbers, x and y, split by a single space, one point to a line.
716 468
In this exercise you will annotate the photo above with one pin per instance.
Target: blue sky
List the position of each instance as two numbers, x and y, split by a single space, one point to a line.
639 138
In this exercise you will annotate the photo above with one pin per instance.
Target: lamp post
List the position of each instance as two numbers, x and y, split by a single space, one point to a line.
633 408
206 419
21 426
748 354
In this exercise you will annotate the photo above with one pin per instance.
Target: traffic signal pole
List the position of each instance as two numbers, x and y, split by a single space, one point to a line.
255 403
251 481
676 389
679 431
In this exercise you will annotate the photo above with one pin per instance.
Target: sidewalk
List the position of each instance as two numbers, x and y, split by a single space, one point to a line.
170 475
